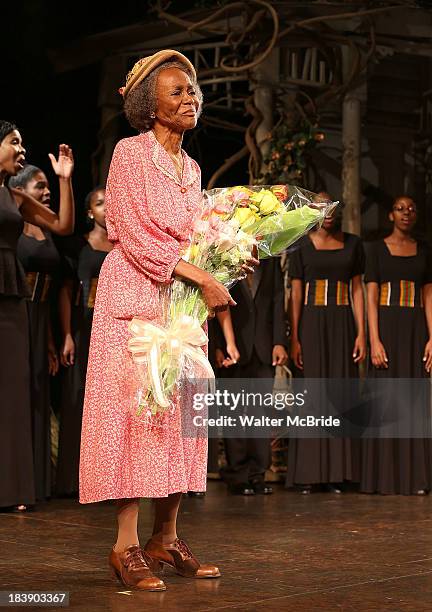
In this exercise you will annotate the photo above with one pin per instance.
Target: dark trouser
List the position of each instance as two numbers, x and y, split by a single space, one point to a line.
247 458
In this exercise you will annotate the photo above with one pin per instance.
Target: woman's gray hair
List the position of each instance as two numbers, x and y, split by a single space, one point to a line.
140 104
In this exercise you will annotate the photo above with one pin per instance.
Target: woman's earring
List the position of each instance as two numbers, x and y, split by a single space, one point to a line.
152 116
91 216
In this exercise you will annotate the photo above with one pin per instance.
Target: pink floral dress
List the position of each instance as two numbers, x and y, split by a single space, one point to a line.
149 214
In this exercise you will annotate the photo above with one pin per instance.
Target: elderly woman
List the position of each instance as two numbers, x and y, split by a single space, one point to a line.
152 196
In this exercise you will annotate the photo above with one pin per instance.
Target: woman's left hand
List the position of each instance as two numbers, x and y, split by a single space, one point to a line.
279 355
427 357
250 264
53 361
64 165
359 350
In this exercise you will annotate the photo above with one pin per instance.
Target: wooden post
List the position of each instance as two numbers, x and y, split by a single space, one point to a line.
265 75
351 142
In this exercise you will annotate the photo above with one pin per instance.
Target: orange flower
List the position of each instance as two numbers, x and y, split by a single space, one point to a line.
280 191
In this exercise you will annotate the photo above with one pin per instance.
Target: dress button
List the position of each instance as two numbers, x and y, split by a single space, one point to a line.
183 189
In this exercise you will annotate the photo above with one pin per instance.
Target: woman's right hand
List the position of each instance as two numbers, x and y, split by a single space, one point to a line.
233 355
379 355
215 295
67 351
296 354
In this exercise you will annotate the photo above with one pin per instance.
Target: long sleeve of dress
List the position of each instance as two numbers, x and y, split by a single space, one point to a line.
143 237
279 322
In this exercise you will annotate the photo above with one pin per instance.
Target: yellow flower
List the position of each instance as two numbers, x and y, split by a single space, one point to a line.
267 202
243 215
191 252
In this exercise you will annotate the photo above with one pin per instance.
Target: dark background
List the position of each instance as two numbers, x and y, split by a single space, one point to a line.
51 108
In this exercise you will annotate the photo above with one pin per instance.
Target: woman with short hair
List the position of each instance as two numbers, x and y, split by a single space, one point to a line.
16 208
399 296
153 194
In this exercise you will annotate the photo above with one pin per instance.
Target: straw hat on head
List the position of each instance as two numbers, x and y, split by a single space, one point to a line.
145 65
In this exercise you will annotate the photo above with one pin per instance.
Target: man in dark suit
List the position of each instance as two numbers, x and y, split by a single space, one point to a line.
260 335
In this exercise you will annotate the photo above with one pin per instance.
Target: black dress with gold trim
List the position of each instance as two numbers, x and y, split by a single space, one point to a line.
41 262
327 334
82 264
399 466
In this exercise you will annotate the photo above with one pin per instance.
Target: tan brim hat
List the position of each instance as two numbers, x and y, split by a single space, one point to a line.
144 66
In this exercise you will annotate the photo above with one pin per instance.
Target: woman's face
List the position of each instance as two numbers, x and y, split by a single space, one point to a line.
12 153
97 208
177 100
330 220
404 214
38 187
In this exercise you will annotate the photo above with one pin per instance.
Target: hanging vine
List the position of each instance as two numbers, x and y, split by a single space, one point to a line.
250 31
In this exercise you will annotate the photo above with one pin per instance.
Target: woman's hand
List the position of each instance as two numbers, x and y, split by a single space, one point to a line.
249 266
67 351
279 355
215 295
233 355
359 350
53 361
219 357
379 355
296 354
427 358
64 165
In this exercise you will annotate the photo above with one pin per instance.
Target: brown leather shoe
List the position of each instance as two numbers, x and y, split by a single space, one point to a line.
132 568
179 556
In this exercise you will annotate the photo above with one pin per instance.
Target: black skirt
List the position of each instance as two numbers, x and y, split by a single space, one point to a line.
38 316
16 455
327 336
399 466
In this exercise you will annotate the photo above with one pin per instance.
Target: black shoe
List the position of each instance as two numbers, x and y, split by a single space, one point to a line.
241 489
334 488
197 494
261 488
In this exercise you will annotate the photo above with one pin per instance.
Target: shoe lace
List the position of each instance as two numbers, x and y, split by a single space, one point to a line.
183 548
137 559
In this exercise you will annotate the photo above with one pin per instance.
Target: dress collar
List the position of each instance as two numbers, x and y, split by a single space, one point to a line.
164 163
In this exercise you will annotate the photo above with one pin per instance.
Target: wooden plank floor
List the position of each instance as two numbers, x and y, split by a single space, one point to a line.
281 552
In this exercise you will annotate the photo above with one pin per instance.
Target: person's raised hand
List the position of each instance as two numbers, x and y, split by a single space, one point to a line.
64 165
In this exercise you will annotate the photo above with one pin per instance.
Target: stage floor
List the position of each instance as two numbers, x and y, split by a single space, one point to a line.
280 552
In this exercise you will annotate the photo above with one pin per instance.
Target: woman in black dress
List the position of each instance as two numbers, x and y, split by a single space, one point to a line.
399 291
83 261
41 261
16 207
327 341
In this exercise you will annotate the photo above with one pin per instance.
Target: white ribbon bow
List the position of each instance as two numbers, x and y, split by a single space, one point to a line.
184 336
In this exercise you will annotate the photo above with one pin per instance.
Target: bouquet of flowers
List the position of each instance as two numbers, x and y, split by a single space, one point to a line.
232 223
